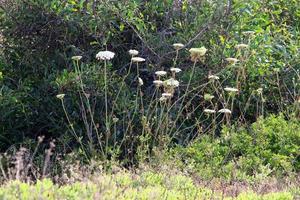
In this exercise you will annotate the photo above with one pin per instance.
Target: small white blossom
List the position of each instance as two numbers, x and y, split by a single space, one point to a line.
213 77
141 82
208 97
105 55
210 111
230 89
115 119
197 53
133 52
259 90
232 60
158 83
137 59
161 73
175 69
225 110
60 96
241 46
167 95
248 33
163 98
171 82
178 46
77 58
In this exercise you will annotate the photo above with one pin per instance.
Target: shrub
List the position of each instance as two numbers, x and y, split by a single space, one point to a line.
269 146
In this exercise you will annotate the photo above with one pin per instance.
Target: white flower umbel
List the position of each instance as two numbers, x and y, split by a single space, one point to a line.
232 60
171 83
105 55
60 96
175 70
259 90
197 53
225 110
213 77
133 52
241 46
162 99
160 73
141 82
208 97
248 33
76 58
231 89
167 95
178 46
209 111
158 83
137 59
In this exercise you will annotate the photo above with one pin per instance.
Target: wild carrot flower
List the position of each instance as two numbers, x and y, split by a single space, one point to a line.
209 111
60 96
158 83
232 60
248 33
105 55
133 52
141 82
225 110
167 95
197 53
115 119
178 46
241 46
213 77
208 97
162 99
76 58
137 59
259 90
161 73
175 70
171 83
230 89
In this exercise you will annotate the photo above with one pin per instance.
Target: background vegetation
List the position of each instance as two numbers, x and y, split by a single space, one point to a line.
108 116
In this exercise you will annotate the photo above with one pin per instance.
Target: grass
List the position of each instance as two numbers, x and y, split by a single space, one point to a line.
126 185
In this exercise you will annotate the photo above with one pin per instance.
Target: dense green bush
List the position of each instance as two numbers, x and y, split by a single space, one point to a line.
269 147
40 37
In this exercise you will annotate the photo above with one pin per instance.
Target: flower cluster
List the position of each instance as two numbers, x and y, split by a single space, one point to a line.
197 54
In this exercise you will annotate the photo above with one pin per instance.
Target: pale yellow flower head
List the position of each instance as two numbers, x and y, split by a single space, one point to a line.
197 53
232 60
